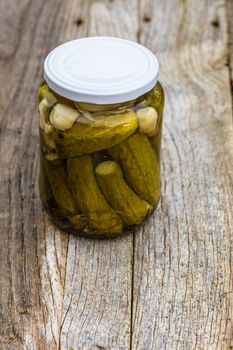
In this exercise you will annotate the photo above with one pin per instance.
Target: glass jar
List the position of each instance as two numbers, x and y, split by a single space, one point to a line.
99 162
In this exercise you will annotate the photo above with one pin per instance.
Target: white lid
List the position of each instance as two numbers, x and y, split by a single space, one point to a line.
101 70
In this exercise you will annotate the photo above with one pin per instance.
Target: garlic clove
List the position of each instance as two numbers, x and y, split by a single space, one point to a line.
44 109
147 120
63 116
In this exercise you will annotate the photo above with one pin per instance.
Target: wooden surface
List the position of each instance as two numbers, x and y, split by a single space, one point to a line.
168 286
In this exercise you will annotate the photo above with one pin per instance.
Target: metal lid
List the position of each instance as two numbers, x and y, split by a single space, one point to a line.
101 70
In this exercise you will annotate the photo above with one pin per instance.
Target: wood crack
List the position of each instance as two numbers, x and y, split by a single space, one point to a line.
132 291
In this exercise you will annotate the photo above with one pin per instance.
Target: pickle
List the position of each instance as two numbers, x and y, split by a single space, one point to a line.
156 99
85 191
140 166
78 221
57 179
46 194
85 137
130 207
157 139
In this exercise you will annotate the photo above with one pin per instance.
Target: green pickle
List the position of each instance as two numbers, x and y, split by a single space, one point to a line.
100 164
46 194
58 184
87 137
131 208
89 198
140 166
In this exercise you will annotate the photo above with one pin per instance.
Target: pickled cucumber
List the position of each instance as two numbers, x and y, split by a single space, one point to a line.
156 140
85 191
79 221
57 180
156 99
140 166
87 137
46 194
130 207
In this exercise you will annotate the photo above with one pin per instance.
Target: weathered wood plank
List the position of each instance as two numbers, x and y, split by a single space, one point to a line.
183 275
114 18
56 291
97 297
230 39
59 292
26 280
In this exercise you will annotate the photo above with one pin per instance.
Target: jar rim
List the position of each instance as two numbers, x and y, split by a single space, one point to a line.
101 70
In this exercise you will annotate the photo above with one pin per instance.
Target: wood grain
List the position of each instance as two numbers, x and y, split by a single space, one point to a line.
57 291
168 286
33 252
183 273
229 4
97 295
